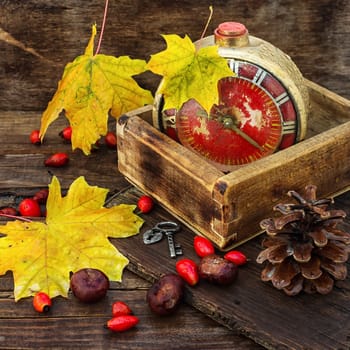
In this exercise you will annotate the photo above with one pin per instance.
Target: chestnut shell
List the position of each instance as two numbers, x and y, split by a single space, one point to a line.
165 295
216 269
89 285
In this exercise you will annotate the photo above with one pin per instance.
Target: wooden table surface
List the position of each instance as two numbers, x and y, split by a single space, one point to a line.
37 39
71 324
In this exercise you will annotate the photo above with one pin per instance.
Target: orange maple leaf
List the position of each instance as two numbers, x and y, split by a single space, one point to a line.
90 88
188 73
74 236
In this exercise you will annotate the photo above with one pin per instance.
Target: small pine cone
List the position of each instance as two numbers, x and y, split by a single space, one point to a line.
304 250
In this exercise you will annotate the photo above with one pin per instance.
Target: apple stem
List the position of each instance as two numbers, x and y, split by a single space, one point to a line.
102 28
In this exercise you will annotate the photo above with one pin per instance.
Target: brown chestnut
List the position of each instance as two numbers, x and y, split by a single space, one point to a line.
215 269
165 295
89 285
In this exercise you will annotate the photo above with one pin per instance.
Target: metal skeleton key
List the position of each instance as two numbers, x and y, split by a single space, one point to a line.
167 228
174 249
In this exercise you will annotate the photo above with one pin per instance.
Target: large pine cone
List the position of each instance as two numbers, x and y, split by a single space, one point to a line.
303 249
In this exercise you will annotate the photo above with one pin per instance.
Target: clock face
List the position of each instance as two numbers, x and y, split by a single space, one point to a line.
254 118
279 95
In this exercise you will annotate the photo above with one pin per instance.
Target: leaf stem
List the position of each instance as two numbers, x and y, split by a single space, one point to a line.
208 21
15 217
102 28
115 195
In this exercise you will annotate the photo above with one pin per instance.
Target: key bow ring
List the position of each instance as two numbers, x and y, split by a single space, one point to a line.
156 233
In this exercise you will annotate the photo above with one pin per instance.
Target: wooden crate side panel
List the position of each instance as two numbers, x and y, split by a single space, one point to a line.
323 160
186 161
173 175
144 112
327 110
337 106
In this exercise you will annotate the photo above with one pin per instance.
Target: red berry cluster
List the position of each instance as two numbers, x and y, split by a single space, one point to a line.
56 160
122 319
32 207
188 268
61 159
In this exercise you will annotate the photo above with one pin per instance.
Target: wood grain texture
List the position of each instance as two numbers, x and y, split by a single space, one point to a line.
37 39
46 35
249 306
71 324
74 325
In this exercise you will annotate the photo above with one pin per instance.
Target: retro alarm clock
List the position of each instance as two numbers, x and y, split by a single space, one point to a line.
262 108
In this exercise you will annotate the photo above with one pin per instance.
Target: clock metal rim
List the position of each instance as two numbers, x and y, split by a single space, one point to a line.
269 143
260 52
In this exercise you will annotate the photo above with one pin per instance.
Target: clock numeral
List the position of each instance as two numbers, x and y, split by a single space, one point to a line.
283 98
169 119
234 65
288 127
259 77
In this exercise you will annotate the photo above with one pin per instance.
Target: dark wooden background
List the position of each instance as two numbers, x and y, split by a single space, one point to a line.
37 39
47 34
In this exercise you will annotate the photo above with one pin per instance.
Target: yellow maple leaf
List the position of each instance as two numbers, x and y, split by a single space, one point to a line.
74 236
188 73
91 86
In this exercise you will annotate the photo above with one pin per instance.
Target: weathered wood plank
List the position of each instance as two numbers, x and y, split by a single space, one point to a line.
250 306
22 164
309 31
71 324
74 325
88 333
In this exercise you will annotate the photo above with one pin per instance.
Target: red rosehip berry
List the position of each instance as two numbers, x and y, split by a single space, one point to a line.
188 270
34 137
8 211
122 323
66 133
119 308
57 160
203 246
111 140
42 302
41 196
145 204
236 257
29 207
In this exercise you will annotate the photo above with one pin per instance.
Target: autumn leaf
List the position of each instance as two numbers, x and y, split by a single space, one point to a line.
90 88
188 73
74 236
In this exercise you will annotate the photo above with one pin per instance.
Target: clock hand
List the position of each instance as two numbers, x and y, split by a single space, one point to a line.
229 124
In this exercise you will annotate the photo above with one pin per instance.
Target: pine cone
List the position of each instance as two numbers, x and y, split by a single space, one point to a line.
303 249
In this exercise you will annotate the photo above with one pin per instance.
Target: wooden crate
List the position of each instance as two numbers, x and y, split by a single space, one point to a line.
227 208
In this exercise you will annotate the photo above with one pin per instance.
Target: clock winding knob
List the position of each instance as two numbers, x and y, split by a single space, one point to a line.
231 34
